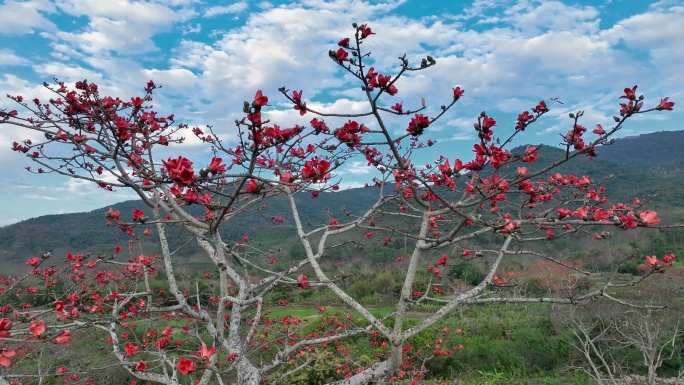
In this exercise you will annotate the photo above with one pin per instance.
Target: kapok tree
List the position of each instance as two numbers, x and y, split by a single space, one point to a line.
494 205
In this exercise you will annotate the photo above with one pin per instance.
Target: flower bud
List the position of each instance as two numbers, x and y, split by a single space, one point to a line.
483 114
571 115
616 119
355 25
641 97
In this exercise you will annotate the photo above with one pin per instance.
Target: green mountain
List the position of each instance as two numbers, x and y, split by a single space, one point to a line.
661 152
636 167
88 232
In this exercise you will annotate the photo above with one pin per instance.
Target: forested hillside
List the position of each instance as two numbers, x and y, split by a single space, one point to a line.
625 168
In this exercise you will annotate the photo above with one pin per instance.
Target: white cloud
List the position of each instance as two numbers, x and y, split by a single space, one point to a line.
237 7
265 5
462 136
358 168
122 26
16 86
24 17
40 197
9 58
104 35
556 16
135 12
178 78
196 28
66 73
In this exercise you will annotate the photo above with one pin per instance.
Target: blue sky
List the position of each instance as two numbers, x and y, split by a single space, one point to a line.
210 56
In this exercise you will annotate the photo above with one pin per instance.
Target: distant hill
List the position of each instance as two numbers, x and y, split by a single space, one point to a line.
88 232
623 181
659 152
641 166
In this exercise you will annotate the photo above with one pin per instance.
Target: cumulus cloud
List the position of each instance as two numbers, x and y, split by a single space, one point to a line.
233 8
24 17
9 58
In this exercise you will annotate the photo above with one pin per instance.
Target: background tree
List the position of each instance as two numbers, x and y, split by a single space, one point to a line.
613 340
492 207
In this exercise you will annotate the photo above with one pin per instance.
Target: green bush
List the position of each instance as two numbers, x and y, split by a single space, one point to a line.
467 272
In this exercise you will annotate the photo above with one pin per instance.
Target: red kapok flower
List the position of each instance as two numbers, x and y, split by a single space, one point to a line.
180 170
628 221
458 92
185 365
33 262
530 155
299 105
63 338
252 187
365 31
37 328
303 281
112 214
541 107
206 353
140 366
316 170
215 167
488 122
665 104
138 214
599 130
341 55
130 349
630 93
418 124
651 260
649 217
5 355
260 100
5 327
59 307
669 258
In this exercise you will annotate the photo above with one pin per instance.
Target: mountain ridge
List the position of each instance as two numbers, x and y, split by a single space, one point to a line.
639 165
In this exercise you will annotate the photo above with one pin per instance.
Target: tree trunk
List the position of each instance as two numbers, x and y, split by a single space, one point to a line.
247 374
651 375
